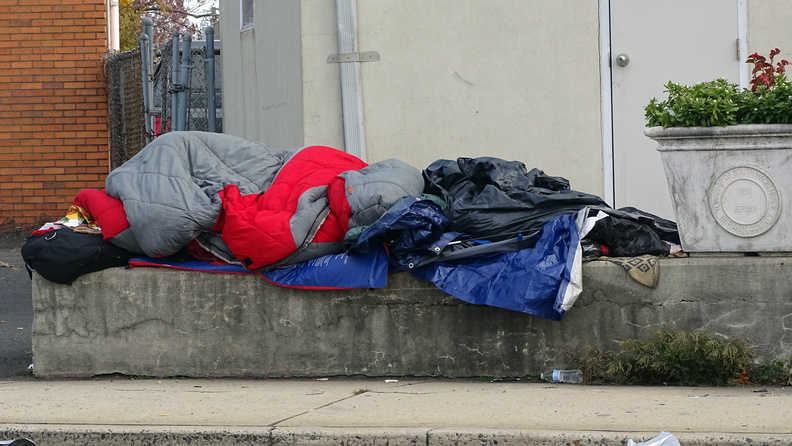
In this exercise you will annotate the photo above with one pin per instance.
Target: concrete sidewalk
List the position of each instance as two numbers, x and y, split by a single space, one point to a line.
373 411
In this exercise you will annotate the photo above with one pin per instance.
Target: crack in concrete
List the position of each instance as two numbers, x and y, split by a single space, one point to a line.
470 349
135 325
276 423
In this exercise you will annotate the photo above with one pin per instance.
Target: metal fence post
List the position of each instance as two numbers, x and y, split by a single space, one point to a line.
147 55
175 86
186 48
211 107
144 70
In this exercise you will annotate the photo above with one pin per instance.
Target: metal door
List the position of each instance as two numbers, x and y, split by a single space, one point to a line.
653 42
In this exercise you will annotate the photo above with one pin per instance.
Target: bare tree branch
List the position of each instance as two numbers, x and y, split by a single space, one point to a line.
177 11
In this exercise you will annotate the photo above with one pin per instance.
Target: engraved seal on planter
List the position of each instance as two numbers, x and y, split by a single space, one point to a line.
745 201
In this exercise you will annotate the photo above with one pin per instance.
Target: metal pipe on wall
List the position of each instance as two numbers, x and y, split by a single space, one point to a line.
351 94
113 27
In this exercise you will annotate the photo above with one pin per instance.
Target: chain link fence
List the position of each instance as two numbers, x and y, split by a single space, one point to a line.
197 112
127 108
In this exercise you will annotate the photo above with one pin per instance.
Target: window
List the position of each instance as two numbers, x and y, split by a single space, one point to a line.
246 14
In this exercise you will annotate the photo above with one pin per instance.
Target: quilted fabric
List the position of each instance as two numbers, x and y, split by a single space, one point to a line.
107 211
266 208
263 230
170 188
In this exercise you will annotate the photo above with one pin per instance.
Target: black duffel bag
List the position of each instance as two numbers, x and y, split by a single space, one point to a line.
63 255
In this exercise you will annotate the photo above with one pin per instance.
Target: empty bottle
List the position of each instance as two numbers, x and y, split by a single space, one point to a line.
563 376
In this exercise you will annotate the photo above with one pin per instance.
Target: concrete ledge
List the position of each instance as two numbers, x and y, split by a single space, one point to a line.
160 322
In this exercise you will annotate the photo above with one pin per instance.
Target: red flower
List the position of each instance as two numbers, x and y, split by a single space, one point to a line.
764 71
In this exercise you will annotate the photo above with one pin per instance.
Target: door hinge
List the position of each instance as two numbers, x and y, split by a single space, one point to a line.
737 48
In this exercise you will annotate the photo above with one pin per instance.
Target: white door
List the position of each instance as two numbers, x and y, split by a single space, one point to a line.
687 41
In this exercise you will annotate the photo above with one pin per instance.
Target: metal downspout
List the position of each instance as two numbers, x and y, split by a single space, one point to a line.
113 31
351 95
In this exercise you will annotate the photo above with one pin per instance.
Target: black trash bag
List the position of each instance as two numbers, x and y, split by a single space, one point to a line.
498 199
592 250
666 229
63 255
627 238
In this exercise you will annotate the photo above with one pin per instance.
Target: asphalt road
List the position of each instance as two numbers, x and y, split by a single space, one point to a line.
16 310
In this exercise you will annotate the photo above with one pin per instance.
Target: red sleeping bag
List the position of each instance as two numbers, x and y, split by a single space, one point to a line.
107 212
293 214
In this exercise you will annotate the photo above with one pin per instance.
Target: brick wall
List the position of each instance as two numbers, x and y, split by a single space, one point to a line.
53 107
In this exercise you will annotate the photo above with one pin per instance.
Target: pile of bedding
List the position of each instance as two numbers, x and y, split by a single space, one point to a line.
485 230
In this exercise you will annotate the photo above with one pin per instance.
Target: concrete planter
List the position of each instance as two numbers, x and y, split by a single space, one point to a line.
730 186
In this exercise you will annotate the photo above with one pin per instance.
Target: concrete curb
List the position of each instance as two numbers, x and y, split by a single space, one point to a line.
105 435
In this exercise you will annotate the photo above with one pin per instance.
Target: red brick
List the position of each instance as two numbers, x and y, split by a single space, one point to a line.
53 123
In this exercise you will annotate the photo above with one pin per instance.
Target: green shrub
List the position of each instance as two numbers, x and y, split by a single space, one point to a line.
719 103
670 356
707 104
773 373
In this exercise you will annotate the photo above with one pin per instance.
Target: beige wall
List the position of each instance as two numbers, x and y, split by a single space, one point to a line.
262 94
518 80
456 78
321 80
472 78
769 27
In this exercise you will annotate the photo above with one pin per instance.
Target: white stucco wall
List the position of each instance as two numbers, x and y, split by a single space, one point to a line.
456 78
517 80
472 78
321 80
769 27
262 82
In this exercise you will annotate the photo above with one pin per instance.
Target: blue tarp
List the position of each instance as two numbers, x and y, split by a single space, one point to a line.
532 280
531 274
337 271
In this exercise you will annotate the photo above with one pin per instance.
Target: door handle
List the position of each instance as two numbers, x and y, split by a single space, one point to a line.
622 60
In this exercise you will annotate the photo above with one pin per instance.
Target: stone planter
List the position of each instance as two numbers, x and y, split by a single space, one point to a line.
730 186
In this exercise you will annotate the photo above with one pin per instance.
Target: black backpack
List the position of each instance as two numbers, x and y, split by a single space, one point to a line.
63 255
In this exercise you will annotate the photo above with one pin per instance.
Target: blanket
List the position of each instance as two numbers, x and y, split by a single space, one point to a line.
263 207
485 230
170 189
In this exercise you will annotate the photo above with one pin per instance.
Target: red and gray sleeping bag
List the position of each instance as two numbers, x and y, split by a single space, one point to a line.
264 207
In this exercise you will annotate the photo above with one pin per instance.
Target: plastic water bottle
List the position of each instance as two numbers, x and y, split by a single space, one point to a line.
563 376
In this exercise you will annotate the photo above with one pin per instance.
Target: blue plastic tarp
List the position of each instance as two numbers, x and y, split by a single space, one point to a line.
541 280
537 274
336 271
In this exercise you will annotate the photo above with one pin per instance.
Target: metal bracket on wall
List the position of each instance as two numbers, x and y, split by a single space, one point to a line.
366 56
